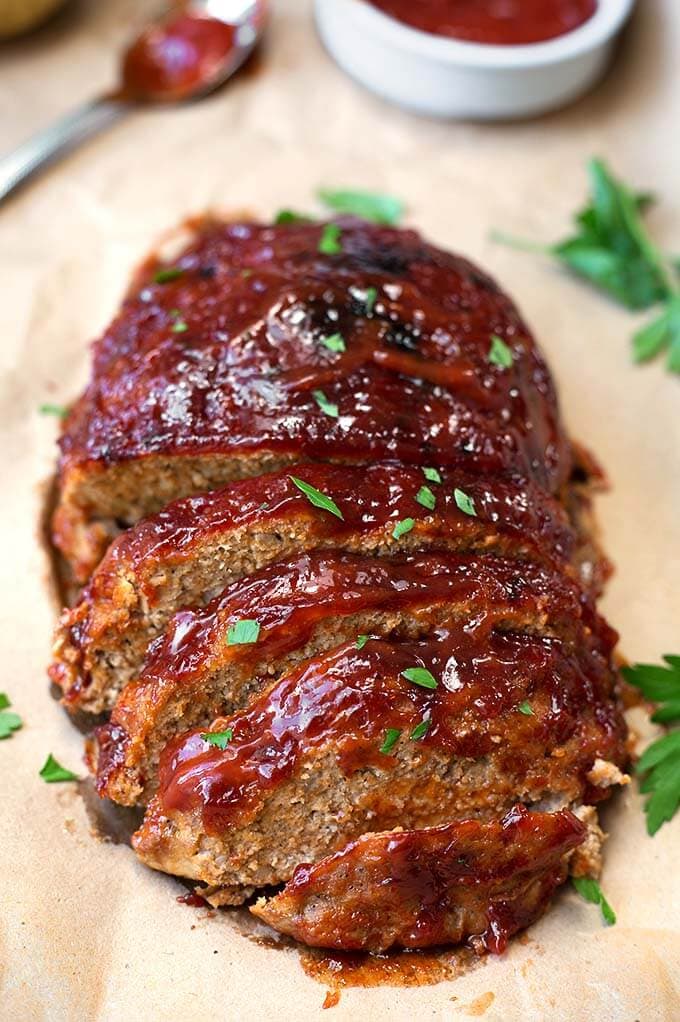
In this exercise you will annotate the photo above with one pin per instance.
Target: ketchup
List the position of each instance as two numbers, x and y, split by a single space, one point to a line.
177 57
498 22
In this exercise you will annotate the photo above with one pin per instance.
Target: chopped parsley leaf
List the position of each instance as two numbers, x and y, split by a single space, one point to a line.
370 299
426 497
60 410
432 475
392 736
420 676
500 354
334 343
243 633
591 891
362 640
329 243
167 275
219 738
525 708
402 527
53 772
420 730
289 216
324 404
464 503
380 209
317 498
9 722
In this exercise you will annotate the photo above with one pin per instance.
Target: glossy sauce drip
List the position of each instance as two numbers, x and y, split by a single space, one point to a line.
254 305
177 57
288 599
347 699
496 22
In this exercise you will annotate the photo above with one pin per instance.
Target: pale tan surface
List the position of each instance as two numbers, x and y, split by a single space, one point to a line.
86 933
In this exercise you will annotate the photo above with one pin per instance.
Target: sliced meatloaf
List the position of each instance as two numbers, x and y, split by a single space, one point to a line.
298 608
473 881
259 348
190 550
412 734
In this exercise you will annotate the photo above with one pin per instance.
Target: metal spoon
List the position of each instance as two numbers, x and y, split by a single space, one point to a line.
156 69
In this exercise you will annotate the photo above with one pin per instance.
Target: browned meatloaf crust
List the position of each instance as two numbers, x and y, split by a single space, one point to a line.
217 374
302 607
187 552
304 772
429 887
355 452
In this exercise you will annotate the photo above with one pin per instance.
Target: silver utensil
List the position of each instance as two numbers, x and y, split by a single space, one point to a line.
247 18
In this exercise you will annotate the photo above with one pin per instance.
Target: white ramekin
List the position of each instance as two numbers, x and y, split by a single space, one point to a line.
442 77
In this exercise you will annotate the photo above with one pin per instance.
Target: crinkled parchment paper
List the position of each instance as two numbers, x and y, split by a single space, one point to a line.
85 932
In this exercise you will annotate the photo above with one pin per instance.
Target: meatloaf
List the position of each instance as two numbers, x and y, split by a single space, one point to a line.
488 720
339 576
257 349
194 673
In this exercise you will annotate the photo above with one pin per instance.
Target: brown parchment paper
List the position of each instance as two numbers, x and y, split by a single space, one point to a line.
85 932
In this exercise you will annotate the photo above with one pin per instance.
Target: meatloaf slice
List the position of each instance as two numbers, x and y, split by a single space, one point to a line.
258 348
191 549
474 881
302 607
410 734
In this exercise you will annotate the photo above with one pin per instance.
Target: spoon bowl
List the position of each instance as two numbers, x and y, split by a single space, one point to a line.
185 54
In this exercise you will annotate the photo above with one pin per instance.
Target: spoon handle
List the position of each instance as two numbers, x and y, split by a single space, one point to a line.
43 148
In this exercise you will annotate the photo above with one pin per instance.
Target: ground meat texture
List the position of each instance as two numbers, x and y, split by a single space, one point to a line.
190 550
223 372
473 881
513 718
302 607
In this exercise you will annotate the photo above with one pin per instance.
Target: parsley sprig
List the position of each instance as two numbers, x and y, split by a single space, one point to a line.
9 721
659 765
591 891
612 249
381 209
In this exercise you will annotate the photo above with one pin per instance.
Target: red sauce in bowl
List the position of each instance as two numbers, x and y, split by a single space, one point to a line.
496 22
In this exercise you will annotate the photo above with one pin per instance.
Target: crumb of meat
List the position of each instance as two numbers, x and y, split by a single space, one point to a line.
586 860
605 774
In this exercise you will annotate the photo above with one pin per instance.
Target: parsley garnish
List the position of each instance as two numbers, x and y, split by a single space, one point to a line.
219 738
289 216
370 299
334 343
525 708
613 250
329 243
402 527
464 503
9 721
591 891
381 209
362 640
426 497
60 410
316 497
178 326
167 275
324 404
420 730
661 761
392 736
420 676
432 475
499 353
53 772
243 633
